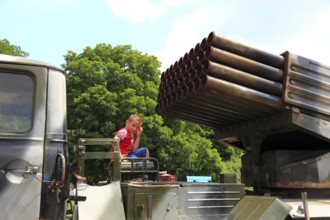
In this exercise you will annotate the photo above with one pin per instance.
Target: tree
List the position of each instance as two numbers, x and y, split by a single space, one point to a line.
7 48
106 84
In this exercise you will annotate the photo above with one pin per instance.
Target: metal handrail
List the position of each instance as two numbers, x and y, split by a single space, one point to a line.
83 142
145 165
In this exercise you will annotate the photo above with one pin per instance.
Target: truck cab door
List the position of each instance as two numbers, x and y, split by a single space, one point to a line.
22 131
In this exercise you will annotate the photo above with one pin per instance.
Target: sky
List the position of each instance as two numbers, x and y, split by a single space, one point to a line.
48 29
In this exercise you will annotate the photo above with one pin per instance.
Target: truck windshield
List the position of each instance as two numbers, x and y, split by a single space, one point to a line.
16 102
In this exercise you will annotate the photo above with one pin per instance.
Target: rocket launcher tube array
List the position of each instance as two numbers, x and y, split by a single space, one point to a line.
220 81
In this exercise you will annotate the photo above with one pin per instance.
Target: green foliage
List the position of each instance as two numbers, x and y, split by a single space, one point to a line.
106 84
124 81
9 49
234 164
100 104
191 153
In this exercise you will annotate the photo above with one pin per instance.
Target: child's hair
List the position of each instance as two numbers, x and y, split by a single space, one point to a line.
135 117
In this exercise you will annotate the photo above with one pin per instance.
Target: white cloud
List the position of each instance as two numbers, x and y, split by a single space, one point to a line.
142 10
308 38
313 41
190 29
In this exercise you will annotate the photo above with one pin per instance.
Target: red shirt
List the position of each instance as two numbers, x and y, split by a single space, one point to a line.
126 141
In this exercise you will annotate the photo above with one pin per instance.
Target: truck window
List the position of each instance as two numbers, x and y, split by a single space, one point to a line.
16 102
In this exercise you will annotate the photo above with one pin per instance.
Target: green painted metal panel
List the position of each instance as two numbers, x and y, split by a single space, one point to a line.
259 208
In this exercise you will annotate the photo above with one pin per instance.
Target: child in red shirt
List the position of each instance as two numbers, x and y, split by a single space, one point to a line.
129 147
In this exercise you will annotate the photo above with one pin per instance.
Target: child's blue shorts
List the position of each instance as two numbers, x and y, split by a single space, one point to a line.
141 152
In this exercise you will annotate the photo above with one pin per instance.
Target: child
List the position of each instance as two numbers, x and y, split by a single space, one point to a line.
129 147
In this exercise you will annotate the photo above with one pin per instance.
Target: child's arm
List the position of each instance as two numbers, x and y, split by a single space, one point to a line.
137 140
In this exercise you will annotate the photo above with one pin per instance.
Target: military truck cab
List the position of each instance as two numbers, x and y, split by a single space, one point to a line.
33 141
